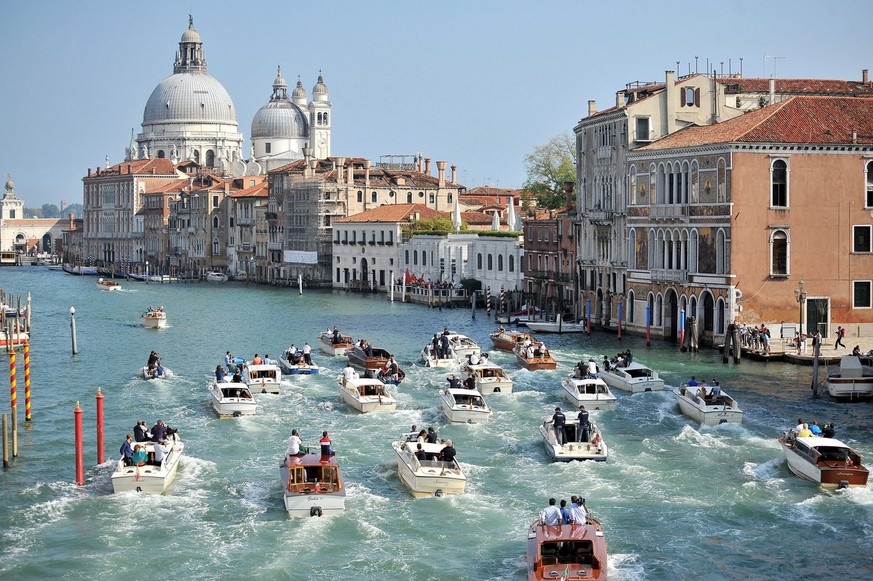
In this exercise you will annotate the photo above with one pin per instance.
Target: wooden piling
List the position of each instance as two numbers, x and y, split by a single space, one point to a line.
100 456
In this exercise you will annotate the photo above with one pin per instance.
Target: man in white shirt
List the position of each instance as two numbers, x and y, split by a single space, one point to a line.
294 443
160 452
578 510
551 515
307 354
592 368
349 373
474 359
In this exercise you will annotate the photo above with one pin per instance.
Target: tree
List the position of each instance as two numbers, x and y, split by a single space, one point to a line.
436 224
548 167
50 211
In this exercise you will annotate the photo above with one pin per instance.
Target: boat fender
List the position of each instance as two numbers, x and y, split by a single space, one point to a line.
315 511
438 492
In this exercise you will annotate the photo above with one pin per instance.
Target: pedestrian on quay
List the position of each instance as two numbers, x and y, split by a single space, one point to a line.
840 334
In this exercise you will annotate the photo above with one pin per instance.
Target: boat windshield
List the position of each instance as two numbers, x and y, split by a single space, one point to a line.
569 552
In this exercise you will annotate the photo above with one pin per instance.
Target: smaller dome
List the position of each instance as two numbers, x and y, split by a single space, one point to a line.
299 91
279 82
191 35
279 118
320 88
10 185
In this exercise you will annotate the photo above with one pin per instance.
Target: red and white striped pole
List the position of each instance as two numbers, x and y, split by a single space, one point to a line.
488 300
80 460
12 378
500 307
27 381
100 456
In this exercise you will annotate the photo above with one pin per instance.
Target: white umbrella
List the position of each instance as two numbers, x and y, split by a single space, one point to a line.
511 218
456 216
495 222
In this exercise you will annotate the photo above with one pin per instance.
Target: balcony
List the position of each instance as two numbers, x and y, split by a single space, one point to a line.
669 275
598 216
271 216
670 213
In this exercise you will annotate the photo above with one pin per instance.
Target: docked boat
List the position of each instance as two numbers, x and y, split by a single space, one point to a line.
534 357
154 319
461 345
80 270
149 477
312 485
109 285
489 377
160 372
593 393
465 406
429 477
634 377
520 317
850 379
295 363
215 276
709 409
507 340
573 552
335 343
431 359
826 461
14 338
556 326
366 394
232 399
263 378
579 445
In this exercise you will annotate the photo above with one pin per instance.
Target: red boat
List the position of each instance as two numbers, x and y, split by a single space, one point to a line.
576 552
507 340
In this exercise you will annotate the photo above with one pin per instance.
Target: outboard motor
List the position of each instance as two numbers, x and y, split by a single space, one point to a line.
315 511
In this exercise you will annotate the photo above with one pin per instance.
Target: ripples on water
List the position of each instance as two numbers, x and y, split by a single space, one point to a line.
678 501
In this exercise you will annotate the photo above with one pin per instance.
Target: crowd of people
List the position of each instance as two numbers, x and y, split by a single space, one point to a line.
590 369
296 356
154 367
133 449
555 514
814 430
296 447
429 436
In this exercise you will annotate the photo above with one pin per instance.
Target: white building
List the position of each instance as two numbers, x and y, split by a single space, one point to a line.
27 235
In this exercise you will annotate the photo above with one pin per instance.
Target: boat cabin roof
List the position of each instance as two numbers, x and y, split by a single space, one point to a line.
819 443
310 460
464 392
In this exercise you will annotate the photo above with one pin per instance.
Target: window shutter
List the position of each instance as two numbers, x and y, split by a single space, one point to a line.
697 97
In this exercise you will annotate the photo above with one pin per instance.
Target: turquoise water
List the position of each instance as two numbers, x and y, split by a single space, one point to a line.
678 501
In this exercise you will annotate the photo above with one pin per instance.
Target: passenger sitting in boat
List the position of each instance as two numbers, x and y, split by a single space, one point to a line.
716 390
237 378
141 432
701 393
267 360
470 382
139 457
474 359
856 351
828 431
219 374
325 445
580 513
454 382
159 370
257 360
368 350
606 364
448 453
814 428
295 445
804 432
153 358
420 453
551 515
692 382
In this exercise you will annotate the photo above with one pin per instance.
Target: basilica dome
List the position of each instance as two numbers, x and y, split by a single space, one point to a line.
189 97
279 117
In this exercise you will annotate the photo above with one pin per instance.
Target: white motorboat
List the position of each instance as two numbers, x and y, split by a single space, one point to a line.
850 379
701 405
155 372
231 399
579 445
430 359
556 326
312 485
461 345
109 285
634 377
335 344
263 378
366 394
429 477
154 319
465 406
295 364
489 377
149 477
215 276
826 461
593 393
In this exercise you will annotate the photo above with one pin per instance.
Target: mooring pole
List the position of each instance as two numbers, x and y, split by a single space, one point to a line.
80 461
100 457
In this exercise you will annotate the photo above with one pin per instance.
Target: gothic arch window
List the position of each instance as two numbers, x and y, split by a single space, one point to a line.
779 253
479 261
490 262
868 179
719 316
695 180
360 197
215 222
630 307
415 257
408 197
632 249
633 185
779 183
324 119
423 258
216 247
196 156
318 119
511 263
210 158
373 196
685 194
500 262
406 257
721 193
720 252
651 251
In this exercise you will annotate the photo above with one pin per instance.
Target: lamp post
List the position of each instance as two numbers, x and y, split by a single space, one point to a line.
147 271
800 297
251 267
73 329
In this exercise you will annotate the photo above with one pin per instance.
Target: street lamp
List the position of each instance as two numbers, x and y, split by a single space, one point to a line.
800 297
73 329
147 271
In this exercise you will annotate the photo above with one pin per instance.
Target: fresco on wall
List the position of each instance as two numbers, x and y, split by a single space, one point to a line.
642 250
706 250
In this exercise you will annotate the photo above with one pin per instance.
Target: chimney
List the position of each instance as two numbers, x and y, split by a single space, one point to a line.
367 173
72 218
670 84
427 165
89 172
592 107
307 151
454 172
128 168
351 173
619 99
420 158
772 91
864 77
855 133
441 173
340 165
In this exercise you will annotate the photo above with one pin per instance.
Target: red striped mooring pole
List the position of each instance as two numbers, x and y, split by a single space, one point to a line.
80 460
100 457
27 381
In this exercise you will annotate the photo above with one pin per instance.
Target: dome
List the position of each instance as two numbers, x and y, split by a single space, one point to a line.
191 35
299 91
195 97
279 118
10 186
319 91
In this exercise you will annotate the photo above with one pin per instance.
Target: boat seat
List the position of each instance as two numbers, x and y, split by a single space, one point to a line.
549 560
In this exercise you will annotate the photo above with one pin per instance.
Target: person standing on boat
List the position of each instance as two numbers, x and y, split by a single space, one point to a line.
256 360
349 374
828 431
566 514
228 361
127 450
444 346
435 344
559 420
577 508
454 382
325 445
160 452
551 515
584 426
592 369
432 436
159 430
307 354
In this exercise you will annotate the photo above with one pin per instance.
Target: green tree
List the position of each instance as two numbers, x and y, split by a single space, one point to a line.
548 167
50 211
437 224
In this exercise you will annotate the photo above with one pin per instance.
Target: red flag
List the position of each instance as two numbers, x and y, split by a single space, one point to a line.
409 278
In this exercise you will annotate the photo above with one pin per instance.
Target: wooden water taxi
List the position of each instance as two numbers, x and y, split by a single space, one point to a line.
312 485
432 476
707 408
634 377
489 377
593 393
507 340
263 378
850 379
534 357
372 358
574 552
366 394
232 399
154 319
108 285
826 461
149 477
335 343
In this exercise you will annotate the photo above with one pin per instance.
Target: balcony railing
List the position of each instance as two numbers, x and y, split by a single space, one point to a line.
667 212
669 275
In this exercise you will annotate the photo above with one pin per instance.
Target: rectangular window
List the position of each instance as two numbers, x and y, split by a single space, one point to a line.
268 148
643 131
861 239
861 294
779 184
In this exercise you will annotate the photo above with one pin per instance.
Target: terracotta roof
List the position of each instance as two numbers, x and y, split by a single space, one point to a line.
260 190
395 213
153 166
801 86
814 120
473 218
379 177
175 186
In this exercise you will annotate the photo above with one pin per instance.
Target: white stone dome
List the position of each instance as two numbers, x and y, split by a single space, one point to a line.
279 118
189 97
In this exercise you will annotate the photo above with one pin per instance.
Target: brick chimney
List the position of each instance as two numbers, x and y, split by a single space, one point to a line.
427 165
592 107
340 165
619 99
864 76
772 90
367 173
454 172
671 96
441 173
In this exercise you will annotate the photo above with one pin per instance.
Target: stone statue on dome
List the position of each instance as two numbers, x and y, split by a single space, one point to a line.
145 152
174 154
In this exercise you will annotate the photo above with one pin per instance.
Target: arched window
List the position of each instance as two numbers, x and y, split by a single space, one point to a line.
360 197
215 222
722 181
406 257
720 252
490 262
500 263
479 261
423 258
695 179
161 154
415 257
318 119
210 158
216 247
324 119
373 197
629 315
511 263
779 184
196 156
632 249
408 197
779 253
719 316
633 185
868 198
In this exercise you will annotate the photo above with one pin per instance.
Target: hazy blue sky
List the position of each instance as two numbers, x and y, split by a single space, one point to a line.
475 83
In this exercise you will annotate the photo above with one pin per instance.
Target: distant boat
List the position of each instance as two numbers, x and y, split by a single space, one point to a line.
154 319
558 326
80 270
109 285
214 276
709 410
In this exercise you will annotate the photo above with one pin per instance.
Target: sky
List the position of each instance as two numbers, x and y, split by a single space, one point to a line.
478 84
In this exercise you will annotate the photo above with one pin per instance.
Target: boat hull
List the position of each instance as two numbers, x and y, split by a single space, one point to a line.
149 479
708 414
367 404
570 451
227 404
541 327
633 379
828 473
298 369
591 401
312 495
154 321
583 557
427 480
326 345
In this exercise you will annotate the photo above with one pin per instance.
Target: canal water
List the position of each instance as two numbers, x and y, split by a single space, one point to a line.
677 501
